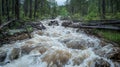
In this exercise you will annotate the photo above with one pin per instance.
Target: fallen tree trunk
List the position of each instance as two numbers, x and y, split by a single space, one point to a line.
79 25
107 21
102 22
115 22
101 27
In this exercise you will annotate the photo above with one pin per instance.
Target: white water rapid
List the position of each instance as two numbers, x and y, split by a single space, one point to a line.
58 46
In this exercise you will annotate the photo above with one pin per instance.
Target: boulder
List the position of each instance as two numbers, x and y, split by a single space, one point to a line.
14 53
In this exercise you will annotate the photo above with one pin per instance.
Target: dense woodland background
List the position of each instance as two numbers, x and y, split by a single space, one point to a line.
40 9
94 9
26 9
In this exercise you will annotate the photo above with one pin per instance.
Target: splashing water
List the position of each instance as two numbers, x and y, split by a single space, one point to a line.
57 47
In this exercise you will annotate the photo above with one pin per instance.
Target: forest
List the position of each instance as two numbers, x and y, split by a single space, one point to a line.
94 9
39 9
42 33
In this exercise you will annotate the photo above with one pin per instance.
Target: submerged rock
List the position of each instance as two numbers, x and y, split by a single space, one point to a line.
79 44
40 48
101 63
109 52
14 54
76 45
79 59
117 64
58 57
3 55
26 49
39 32
114 54
31 47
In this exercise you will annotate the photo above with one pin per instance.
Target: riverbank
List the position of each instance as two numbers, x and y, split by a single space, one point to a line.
107 35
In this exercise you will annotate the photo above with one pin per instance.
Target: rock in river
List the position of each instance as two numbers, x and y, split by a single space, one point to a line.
14 53
3 55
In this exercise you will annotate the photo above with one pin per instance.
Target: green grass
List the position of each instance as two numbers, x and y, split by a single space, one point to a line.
113 36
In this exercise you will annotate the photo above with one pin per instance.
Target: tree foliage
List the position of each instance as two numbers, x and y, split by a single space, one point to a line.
104 9
27 9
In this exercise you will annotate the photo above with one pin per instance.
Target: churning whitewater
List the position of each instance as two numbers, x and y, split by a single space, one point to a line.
58 46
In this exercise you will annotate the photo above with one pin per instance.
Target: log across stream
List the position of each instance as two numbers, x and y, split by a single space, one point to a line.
57 46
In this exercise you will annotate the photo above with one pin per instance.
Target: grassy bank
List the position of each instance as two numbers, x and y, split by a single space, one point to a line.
113 36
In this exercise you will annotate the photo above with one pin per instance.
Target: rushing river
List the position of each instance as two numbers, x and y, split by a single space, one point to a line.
58 46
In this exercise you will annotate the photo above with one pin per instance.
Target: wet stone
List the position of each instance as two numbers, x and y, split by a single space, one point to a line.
3 55
114 54
101 63
76 44
26 49
58 57
14 54
117 64
40 32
